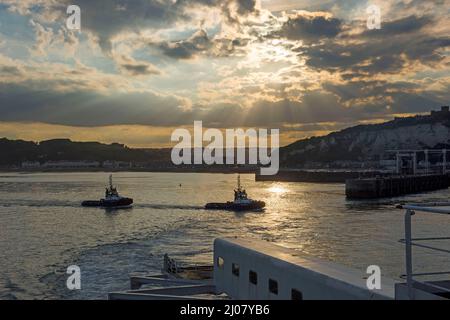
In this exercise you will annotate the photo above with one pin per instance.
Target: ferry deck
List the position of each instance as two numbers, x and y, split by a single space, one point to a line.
249 269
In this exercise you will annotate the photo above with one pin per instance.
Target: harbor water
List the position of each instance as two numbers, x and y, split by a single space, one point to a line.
43 228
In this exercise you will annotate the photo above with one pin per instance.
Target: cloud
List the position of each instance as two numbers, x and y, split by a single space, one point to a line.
382 51
186 49
107 19
44 37
406 25
20 102
130 66
138 69
10 70
200 43
383 97
246 6
344 103
226 62
309 26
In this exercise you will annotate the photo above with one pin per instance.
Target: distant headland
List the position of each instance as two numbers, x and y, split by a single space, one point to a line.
361 147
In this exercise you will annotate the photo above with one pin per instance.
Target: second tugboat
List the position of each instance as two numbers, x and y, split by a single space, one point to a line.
112 199
241 202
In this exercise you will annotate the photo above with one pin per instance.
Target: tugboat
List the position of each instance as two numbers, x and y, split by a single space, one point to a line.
241 202
112 199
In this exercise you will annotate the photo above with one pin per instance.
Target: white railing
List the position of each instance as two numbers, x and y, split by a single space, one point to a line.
409 241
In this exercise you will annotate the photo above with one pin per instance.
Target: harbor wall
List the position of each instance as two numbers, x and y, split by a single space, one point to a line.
381 187
322 176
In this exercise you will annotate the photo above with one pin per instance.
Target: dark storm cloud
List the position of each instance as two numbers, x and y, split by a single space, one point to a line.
367 89
27 103
397 44
313 107
386 55
436 6
19 102
405 25
382 97
309 28
369 100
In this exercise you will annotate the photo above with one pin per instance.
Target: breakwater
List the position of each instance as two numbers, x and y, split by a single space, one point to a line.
381 187
317 176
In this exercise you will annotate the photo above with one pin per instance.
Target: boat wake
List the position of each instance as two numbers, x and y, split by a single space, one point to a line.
38 203
76 204
107 266
169 206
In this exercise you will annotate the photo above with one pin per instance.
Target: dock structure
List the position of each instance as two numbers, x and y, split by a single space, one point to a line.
316 176
394 186
410 176
407 161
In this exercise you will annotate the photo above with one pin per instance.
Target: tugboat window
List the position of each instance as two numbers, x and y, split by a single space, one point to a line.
220 262
273 286
296 295
235 269
253 277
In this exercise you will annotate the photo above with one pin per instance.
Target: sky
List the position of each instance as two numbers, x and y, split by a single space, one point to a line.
137 70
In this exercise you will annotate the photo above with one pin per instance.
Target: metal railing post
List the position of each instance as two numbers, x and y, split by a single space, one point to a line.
408 252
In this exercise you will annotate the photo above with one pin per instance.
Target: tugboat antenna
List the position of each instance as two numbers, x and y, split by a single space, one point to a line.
239 181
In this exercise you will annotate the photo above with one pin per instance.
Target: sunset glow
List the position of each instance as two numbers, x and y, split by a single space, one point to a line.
293 65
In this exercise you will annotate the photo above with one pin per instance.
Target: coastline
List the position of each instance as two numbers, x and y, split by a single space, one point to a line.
284 175
109 170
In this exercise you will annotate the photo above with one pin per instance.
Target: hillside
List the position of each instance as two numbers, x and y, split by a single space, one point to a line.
355 144
368 142
15 151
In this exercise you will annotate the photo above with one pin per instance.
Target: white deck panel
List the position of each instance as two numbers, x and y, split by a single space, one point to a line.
289 266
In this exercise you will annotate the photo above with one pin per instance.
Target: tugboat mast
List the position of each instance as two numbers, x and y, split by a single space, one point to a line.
110 181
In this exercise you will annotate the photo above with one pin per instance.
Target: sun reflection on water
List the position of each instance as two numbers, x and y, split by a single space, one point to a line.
278 189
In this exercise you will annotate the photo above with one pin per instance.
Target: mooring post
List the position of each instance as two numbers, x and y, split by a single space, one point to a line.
408 253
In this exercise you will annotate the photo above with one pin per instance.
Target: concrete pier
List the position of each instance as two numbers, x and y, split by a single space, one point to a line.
316 176
394 186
